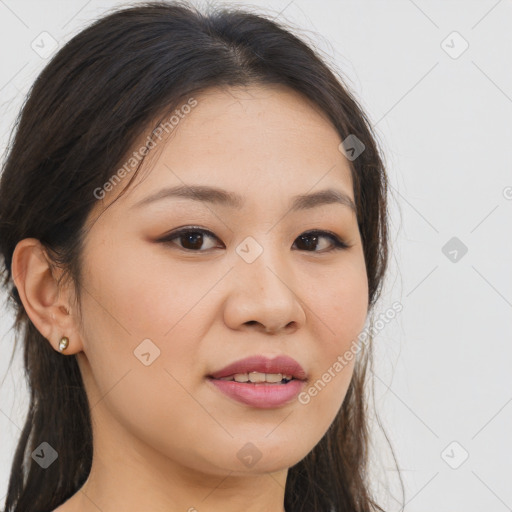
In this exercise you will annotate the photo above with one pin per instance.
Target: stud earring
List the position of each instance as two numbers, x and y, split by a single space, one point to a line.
64 342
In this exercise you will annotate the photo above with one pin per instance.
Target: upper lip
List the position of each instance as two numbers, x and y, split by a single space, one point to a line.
280 364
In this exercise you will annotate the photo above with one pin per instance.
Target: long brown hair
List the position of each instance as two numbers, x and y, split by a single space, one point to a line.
82 115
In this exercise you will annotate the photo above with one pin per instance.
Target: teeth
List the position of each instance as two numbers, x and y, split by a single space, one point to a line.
271 377
257 377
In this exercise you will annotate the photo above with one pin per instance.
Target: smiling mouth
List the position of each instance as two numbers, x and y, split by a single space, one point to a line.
259 390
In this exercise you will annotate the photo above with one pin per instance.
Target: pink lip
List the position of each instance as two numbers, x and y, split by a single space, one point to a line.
261 395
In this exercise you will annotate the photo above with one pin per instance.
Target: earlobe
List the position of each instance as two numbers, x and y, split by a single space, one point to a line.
38 289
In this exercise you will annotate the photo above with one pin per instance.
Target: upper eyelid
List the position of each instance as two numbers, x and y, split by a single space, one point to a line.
192 229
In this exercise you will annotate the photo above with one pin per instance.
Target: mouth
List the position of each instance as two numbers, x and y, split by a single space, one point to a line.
261 382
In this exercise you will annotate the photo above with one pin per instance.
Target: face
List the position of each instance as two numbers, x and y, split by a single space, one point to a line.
177 288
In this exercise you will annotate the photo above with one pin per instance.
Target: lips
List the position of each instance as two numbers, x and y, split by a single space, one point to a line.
262 395
281 364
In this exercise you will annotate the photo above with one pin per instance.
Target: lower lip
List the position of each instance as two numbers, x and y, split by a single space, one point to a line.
260 395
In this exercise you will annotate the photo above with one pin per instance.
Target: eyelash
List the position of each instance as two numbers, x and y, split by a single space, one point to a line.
338 243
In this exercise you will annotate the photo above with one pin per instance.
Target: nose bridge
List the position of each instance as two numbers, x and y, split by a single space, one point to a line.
264 282
265 263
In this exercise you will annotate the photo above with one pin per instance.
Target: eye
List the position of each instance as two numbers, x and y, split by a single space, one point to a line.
311 239
192 239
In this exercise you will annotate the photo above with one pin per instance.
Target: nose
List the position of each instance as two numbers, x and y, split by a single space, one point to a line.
264 295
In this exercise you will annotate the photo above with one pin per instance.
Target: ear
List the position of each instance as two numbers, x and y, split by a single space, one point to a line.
47 304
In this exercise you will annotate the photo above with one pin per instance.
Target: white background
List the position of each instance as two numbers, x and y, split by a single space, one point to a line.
443 366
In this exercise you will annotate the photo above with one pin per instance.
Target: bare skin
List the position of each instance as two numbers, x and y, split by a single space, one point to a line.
165 439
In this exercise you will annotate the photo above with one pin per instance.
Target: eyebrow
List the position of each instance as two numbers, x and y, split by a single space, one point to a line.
203 193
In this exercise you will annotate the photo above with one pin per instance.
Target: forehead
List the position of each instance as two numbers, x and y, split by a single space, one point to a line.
252 140
261 119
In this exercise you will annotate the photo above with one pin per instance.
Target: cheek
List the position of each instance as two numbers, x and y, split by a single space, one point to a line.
341 308
145 294
131 298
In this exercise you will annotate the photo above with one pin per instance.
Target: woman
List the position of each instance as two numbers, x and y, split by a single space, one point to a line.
194 229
